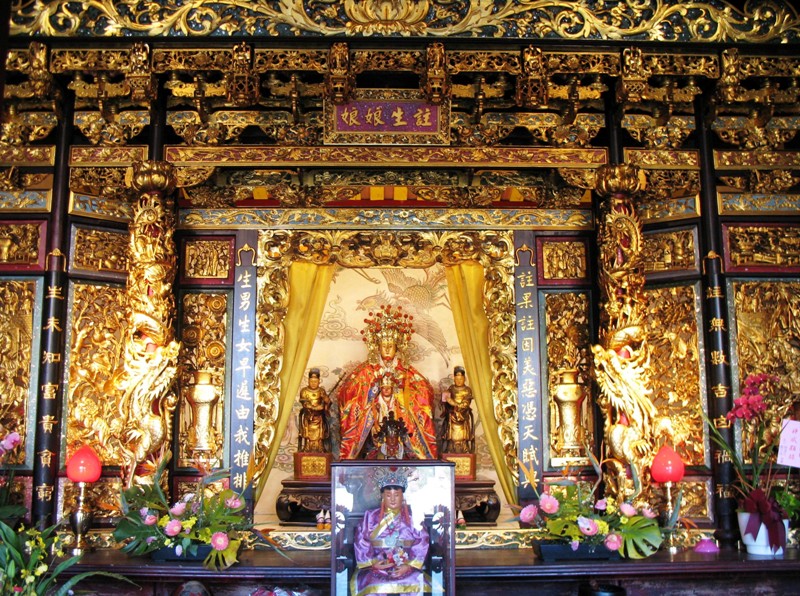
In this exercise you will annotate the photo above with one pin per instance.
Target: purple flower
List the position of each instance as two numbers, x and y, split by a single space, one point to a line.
233 502
528 513
601 505
12 440
178 509
144 511
179 550
575 544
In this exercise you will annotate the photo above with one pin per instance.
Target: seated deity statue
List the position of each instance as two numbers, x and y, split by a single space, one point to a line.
390 552
362 404
391 440
313 427
458 427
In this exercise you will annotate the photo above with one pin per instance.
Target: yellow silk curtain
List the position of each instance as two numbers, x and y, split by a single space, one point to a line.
465 286
308 290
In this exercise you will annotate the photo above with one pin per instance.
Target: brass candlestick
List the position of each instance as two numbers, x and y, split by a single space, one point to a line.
671 546
80 520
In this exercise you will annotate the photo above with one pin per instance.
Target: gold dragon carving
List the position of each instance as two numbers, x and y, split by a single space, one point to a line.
622 357
150 361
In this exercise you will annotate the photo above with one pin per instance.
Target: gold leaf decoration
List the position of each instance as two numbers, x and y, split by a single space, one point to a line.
645 20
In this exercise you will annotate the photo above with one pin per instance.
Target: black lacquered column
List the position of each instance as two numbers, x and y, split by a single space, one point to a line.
54 320
717 335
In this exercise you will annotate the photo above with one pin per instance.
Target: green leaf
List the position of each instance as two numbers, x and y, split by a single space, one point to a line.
222 559
52 576
641 537
672 522
63 590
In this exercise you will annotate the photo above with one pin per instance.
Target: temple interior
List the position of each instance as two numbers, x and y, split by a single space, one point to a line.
514 247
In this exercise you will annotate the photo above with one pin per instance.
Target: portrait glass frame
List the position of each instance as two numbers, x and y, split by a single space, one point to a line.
430 495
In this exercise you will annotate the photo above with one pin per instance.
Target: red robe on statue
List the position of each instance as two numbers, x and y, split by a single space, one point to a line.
359 412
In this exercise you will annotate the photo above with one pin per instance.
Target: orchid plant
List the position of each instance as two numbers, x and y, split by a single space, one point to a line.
31 561
9 511
206 516
759 411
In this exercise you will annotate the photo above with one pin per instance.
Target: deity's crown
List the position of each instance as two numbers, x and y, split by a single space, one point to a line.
391 476
392 427
388 322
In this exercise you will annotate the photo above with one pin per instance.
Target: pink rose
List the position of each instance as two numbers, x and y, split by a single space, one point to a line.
178 509
528 514
601 505
613 541
548 503
233 502
627 509
587 526
649 513
149 520
219 540
173 527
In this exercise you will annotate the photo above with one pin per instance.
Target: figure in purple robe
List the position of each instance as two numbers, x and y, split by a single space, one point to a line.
390 552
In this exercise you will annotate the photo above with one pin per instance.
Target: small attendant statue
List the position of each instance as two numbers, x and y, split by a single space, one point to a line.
314 432
458 429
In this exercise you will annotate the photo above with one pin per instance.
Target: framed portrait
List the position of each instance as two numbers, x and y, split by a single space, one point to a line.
393 527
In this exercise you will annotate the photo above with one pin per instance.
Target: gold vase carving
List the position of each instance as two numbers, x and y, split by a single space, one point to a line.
569 396
5 249
202 397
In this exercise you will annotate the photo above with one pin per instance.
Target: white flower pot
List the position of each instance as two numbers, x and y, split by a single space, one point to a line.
760 544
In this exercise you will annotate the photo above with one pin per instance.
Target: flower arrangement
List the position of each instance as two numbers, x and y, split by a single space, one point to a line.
9 512
577 518
204 518
569 512
31 561
759 410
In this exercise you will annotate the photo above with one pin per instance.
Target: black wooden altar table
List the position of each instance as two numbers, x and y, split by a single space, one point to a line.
479 571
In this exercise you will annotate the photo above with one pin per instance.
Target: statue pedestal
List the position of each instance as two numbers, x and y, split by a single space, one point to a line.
477 501
465 464
312 466
300 501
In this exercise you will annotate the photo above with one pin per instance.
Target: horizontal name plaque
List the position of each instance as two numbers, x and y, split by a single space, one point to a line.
377 116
